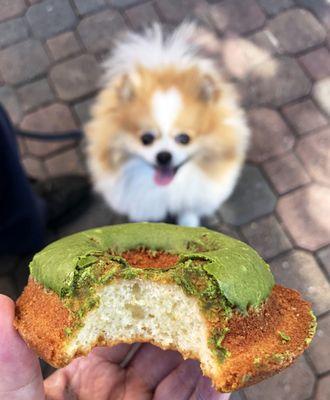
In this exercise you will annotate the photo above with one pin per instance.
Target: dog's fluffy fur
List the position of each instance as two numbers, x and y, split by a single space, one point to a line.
160 83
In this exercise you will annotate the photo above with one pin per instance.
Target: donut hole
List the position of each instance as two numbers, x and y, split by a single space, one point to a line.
146 258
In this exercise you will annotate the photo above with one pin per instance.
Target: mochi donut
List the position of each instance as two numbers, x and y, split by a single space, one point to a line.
204 294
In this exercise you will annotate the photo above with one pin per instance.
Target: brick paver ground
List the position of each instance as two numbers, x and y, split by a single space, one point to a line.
277 52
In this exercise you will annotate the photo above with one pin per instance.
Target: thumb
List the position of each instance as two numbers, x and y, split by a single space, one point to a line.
20 372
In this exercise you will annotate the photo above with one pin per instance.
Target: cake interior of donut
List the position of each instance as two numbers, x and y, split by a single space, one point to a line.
147 311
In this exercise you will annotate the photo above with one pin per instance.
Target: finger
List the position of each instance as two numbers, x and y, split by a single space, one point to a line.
115 354
180 383
57 386
205 391
84 377
19 367
152 364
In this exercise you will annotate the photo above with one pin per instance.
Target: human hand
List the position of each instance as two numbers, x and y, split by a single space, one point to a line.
152 374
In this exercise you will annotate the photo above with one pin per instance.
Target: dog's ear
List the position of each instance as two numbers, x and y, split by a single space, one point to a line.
125 88
208 89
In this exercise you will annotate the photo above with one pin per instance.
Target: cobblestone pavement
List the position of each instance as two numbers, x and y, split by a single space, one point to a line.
277 51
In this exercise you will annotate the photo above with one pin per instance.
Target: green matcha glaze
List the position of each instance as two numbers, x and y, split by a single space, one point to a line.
243 277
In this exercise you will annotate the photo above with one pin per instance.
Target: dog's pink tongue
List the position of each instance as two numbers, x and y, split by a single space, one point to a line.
163 177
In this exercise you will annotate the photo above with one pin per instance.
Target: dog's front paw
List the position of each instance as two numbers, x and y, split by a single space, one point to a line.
188 219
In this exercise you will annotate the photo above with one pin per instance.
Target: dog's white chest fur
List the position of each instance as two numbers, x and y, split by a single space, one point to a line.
191 194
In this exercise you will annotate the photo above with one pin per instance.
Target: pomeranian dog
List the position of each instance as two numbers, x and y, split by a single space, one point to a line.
167 136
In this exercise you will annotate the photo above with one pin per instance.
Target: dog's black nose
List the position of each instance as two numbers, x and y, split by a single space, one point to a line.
164 158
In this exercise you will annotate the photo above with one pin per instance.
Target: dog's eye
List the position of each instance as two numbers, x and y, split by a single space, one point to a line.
182 138
147 138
